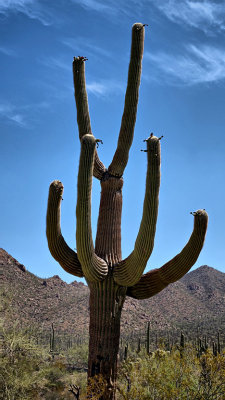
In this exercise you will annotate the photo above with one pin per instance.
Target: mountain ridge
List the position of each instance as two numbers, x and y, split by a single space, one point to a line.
198 299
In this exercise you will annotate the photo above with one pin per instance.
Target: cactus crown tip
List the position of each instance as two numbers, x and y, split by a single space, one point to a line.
138 25
57 184
201 212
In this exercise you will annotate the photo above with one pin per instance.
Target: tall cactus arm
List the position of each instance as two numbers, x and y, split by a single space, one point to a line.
129 271
62 253
126 134
94 268
83 117
156 280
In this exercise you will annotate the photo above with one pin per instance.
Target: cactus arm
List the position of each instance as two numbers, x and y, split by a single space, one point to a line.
126 134
156 280
94 268
129 271
83 117
62 253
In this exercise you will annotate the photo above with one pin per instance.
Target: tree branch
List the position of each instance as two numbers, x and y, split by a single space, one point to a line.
156 280
126 134
94 267
75 390
83 117
129 271
61 252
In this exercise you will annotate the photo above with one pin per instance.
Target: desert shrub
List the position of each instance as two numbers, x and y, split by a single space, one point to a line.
172 376
77 355
27 371
20 365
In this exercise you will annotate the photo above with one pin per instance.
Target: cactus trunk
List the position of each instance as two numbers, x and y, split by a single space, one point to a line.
106 297
106 301
108 238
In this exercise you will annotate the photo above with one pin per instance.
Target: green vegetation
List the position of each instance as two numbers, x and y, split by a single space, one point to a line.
188 371
30 367
164 375
27 370
151 366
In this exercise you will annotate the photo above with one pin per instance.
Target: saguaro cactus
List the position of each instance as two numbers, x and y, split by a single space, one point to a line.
111 278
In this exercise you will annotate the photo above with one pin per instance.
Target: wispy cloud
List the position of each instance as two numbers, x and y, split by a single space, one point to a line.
7 51
20 115
96 87
198 65
31 8
112 8
96 5
202 14
104 87
82 44
10 113
53 62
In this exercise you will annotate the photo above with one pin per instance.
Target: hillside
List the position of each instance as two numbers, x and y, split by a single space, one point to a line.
198 299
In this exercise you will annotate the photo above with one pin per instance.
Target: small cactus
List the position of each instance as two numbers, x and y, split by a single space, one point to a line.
139 345
218 343
214 348
125 352
148 338
182 340
52 341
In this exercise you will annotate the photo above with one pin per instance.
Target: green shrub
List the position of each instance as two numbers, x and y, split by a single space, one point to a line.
172 376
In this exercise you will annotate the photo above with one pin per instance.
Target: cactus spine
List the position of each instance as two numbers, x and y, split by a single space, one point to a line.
110 278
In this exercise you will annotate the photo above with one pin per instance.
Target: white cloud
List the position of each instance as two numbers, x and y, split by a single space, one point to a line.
52 62
86 46
202 64
96 5
10 113
202 14
21 115
206 15
31 8
104 87
7 51
112 8
98 88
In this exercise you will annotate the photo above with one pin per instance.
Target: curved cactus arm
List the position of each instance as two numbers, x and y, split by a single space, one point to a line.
62 253
129 271
83 117
94 268
126 134
156 280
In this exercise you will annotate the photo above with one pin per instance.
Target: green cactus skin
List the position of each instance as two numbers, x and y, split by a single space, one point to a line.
61 252
83 117
129 271
156 280
126 134
94 268
110 278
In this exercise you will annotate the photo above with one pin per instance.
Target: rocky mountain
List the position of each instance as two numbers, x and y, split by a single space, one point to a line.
197 300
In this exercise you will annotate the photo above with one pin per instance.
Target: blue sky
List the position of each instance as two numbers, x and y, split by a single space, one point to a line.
182 97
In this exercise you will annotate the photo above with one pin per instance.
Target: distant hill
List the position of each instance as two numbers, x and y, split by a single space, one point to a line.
197 300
